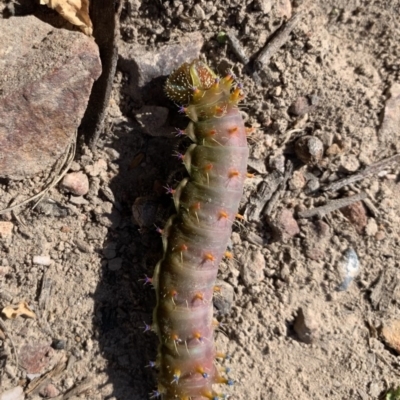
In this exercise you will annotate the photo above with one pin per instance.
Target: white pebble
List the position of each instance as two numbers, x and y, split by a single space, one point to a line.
13 394
76 183
42 260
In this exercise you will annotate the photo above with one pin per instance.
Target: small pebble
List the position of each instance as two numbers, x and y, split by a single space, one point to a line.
78 200
372 227
49 391
349 163
112 153
297 181
309 149
356 214
97 167
252 270
306 326
198 12
284 226
299 107
76 183
58 344
16 393
6 229
42 260
83 246
391 335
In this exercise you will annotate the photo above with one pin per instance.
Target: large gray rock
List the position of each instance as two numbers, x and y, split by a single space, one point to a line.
46 76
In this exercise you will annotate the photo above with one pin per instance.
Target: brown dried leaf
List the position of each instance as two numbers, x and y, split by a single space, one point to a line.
22 309
74 11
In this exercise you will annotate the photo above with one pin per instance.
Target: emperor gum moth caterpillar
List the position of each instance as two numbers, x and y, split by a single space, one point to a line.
195 239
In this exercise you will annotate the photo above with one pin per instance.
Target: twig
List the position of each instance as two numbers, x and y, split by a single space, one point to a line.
331 206
280 37
237 47
241 55
69 157
370 170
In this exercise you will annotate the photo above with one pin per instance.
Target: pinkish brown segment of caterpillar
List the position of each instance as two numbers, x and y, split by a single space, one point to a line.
195 239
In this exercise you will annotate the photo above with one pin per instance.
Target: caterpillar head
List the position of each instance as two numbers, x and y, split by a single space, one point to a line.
182 83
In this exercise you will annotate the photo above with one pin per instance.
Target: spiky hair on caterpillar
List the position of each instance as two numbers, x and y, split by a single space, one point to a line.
195 239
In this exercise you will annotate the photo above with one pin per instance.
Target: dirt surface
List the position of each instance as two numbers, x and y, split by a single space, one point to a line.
296 329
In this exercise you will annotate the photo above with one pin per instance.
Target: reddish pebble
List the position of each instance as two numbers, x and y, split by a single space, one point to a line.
35 358
356 214
76 183
49 391
285 226
391 335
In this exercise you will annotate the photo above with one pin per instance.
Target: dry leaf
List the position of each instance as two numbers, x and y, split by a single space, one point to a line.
74 11
22 309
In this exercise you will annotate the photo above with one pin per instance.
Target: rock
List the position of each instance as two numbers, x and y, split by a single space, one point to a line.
42 260
76 183
391 335
49 391
35 358
58 344
112 153
198 12
83 246
252 267
372 227
322 229
297 181
284 9
78 200
97 167
309 149
306 326
16 393
152 119
144 211
277 163
333 150
299 107
284 226
46 76
356 214
264 5
349 163
145 65
115 264
223 297
6 228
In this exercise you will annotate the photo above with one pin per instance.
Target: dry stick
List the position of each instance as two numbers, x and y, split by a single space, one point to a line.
370 170
69 157
241 54
332 206
280 37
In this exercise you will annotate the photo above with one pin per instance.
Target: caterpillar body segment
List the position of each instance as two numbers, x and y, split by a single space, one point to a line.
195 239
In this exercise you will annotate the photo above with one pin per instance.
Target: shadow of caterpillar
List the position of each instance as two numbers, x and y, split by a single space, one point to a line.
195 239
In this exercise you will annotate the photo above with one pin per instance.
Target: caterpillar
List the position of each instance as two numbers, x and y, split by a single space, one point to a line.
195 239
